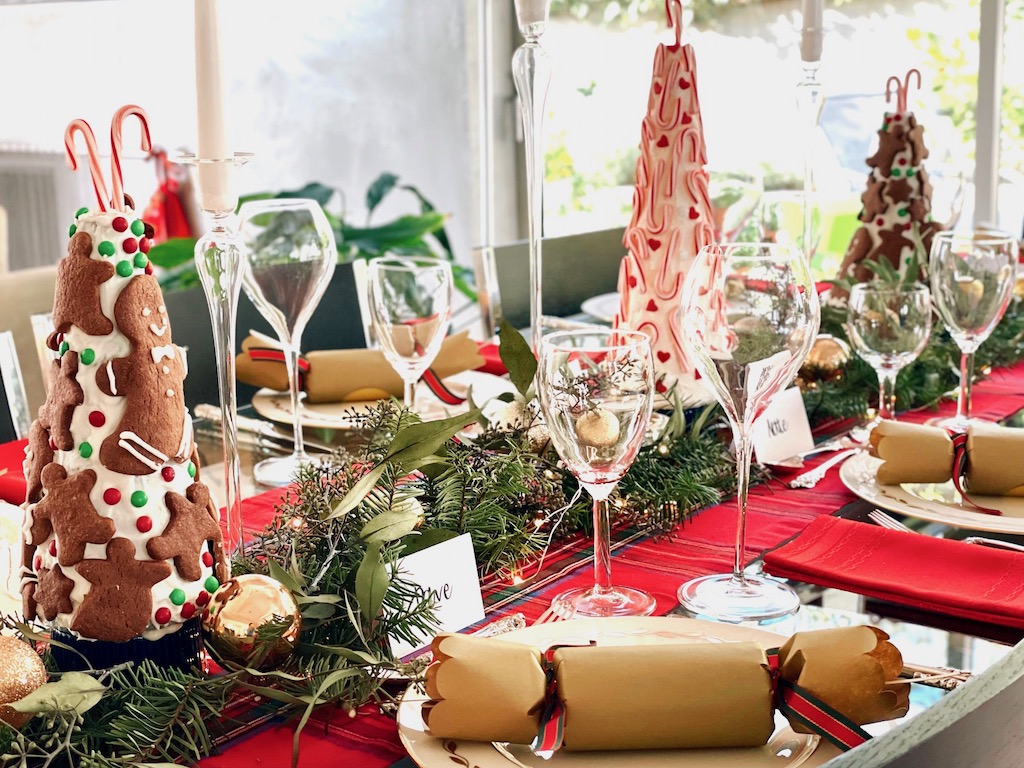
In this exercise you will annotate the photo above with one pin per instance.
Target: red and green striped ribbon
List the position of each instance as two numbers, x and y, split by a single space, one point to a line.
960 470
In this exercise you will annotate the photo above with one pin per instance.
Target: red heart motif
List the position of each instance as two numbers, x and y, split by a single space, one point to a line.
653 244
663 141
651 306
632 282
687 119
664 356
693 213
660 387
657 87
684 83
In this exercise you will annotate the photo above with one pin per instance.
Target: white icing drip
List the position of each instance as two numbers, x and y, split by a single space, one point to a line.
158 330
183 354
112 381
164 352
169 393
126 442
185 448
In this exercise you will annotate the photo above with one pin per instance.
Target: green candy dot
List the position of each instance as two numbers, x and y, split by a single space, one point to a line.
895 173
139 499
64 346
85 450
177 596
106 248
902 212
211 584
141 260
71 230
138 228
910 171
191 469
124 268
81 212
87 356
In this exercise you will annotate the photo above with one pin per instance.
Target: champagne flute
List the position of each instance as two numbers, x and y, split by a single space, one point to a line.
596 389
888 325
750 314
290 255
972 275
410 307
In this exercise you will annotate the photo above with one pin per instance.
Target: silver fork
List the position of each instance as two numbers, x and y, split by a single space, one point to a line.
879 517
813 477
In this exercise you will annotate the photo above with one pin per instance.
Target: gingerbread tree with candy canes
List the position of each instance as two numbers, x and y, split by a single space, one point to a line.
672 213
121 538
898 196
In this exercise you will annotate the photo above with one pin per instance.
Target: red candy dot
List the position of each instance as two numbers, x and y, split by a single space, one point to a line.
188 611
167 473
144 243
207 559
202 598
97 419
903 161
896 116
53 445
37 563
130 245
879 221
144 524
111 496
149 268
163 615
120 224
53 548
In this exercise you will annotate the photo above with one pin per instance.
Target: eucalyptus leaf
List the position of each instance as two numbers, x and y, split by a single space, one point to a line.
395 523
418 441
357 492
360 657
426 539
517 357
74 690
287 578
306 599
318 611
372 582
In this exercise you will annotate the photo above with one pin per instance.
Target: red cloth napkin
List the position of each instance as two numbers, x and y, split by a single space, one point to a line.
492 360
12 481
973 582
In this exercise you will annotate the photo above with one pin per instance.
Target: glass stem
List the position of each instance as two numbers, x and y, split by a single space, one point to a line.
743 451
602 548
291 361
963 401
409 396
887 394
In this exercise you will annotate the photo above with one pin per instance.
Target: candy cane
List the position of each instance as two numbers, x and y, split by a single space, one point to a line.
116 126
674 12
85 129
901 89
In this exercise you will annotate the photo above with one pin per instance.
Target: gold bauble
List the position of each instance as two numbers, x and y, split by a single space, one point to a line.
598 428
240 608
21 672
827 355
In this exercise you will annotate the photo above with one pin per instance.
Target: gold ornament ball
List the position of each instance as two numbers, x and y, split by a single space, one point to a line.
21 672
827 355
240 608
598 428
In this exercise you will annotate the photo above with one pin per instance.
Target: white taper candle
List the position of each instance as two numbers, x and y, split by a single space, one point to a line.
214 178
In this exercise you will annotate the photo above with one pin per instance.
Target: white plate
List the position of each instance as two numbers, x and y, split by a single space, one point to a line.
785 749
603 307
277 406
938 502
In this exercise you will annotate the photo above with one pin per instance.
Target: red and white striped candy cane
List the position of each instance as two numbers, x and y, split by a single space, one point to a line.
116 126
82 127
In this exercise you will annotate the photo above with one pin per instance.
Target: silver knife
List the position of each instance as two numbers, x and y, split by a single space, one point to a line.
262 428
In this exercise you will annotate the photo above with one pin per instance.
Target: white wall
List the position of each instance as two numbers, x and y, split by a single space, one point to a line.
336 91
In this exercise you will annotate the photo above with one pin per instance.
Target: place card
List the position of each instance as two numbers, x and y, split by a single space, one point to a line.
448 572
783 430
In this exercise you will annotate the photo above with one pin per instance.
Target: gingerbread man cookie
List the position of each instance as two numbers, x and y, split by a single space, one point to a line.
53 592
872 199
916 138
37 455
119 604
193 522
853 262
889 143
892 246
65 395
67 511
77 299
151 380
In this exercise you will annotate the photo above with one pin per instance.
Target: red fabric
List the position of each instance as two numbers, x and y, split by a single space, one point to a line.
965 580
12 481
492 360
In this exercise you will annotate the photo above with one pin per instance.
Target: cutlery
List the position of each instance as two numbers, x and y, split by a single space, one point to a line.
813 477
261 428
249 439
835 444
879 517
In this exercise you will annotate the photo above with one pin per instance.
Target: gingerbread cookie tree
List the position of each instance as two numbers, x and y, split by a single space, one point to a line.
898 197
121 540
672 216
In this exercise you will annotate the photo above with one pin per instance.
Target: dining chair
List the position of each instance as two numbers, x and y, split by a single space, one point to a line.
574 268
14 409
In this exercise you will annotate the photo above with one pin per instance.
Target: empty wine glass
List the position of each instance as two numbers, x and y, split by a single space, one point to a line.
734 195
888 326
290 255
596 390
972 275
750 314
410 300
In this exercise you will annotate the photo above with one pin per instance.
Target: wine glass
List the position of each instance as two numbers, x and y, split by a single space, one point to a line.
749 316
290 255
596 389
972 275
888 325
782 219
410 300
734 194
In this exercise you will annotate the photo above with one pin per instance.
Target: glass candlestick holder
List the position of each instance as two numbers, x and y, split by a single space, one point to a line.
218 256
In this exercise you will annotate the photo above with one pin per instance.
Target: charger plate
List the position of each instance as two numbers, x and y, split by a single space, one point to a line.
785 749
